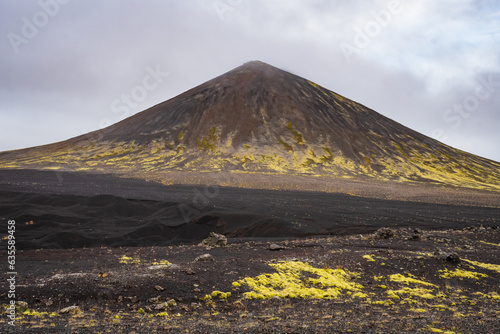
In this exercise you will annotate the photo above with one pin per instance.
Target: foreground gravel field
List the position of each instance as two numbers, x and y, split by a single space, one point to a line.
390 281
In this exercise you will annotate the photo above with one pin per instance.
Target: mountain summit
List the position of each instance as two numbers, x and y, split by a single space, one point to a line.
258 119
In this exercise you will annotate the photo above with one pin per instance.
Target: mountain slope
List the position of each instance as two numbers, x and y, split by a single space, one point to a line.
259 119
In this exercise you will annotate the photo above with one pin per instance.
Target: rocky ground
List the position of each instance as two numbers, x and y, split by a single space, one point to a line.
390 281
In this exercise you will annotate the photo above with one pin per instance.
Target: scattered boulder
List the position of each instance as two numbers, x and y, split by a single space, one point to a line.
133 299
22 306
416 234
159 288
190 271
71 310
214 240
438 252
65 276
452 257
154 300
204 257
275 298
161 306
174 266
195 305
157 267
171 266
275 247
384 233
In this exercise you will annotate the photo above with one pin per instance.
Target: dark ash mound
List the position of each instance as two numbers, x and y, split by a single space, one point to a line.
69 221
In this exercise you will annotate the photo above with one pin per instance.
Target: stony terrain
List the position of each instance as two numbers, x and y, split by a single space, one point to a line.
390 281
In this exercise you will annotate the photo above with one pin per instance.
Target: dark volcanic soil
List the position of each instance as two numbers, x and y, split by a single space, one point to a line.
117 294
99 210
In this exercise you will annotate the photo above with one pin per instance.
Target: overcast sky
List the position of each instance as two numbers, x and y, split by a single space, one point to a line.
65 66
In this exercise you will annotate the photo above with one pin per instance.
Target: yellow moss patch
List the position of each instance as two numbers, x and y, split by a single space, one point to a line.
360 295
206 297
34 313
161 262
407 280
491 295
421 293
293 280
315 85
383 302
129 260
221 295
437 330
494 267
489 243
369 257
161 314
461 273
419 310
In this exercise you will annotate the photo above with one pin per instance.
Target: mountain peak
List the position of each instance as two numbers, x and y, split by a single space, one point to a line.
257 118
257 66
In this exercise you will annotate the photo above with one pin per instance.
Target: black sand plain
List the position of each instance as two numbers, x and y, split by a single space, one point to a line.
91 210
73 231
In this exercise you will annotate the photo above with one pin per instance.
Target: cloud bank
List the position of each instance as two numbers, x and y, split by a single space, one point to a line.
68 66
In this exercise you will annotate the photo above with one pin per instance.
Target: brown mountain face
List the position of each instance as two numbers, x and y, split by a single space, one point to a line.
258 119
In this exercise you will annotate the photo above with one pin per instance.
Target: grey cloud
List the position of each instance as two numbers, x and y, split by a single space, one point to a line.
64 81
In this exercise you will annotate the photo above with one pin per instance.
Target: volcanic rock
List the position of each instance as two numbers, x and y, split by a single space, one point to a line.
214 240
70 310
204 258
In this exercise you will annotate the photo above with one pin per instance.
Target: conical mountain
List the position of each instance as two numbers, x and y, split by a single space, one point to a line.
258 119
